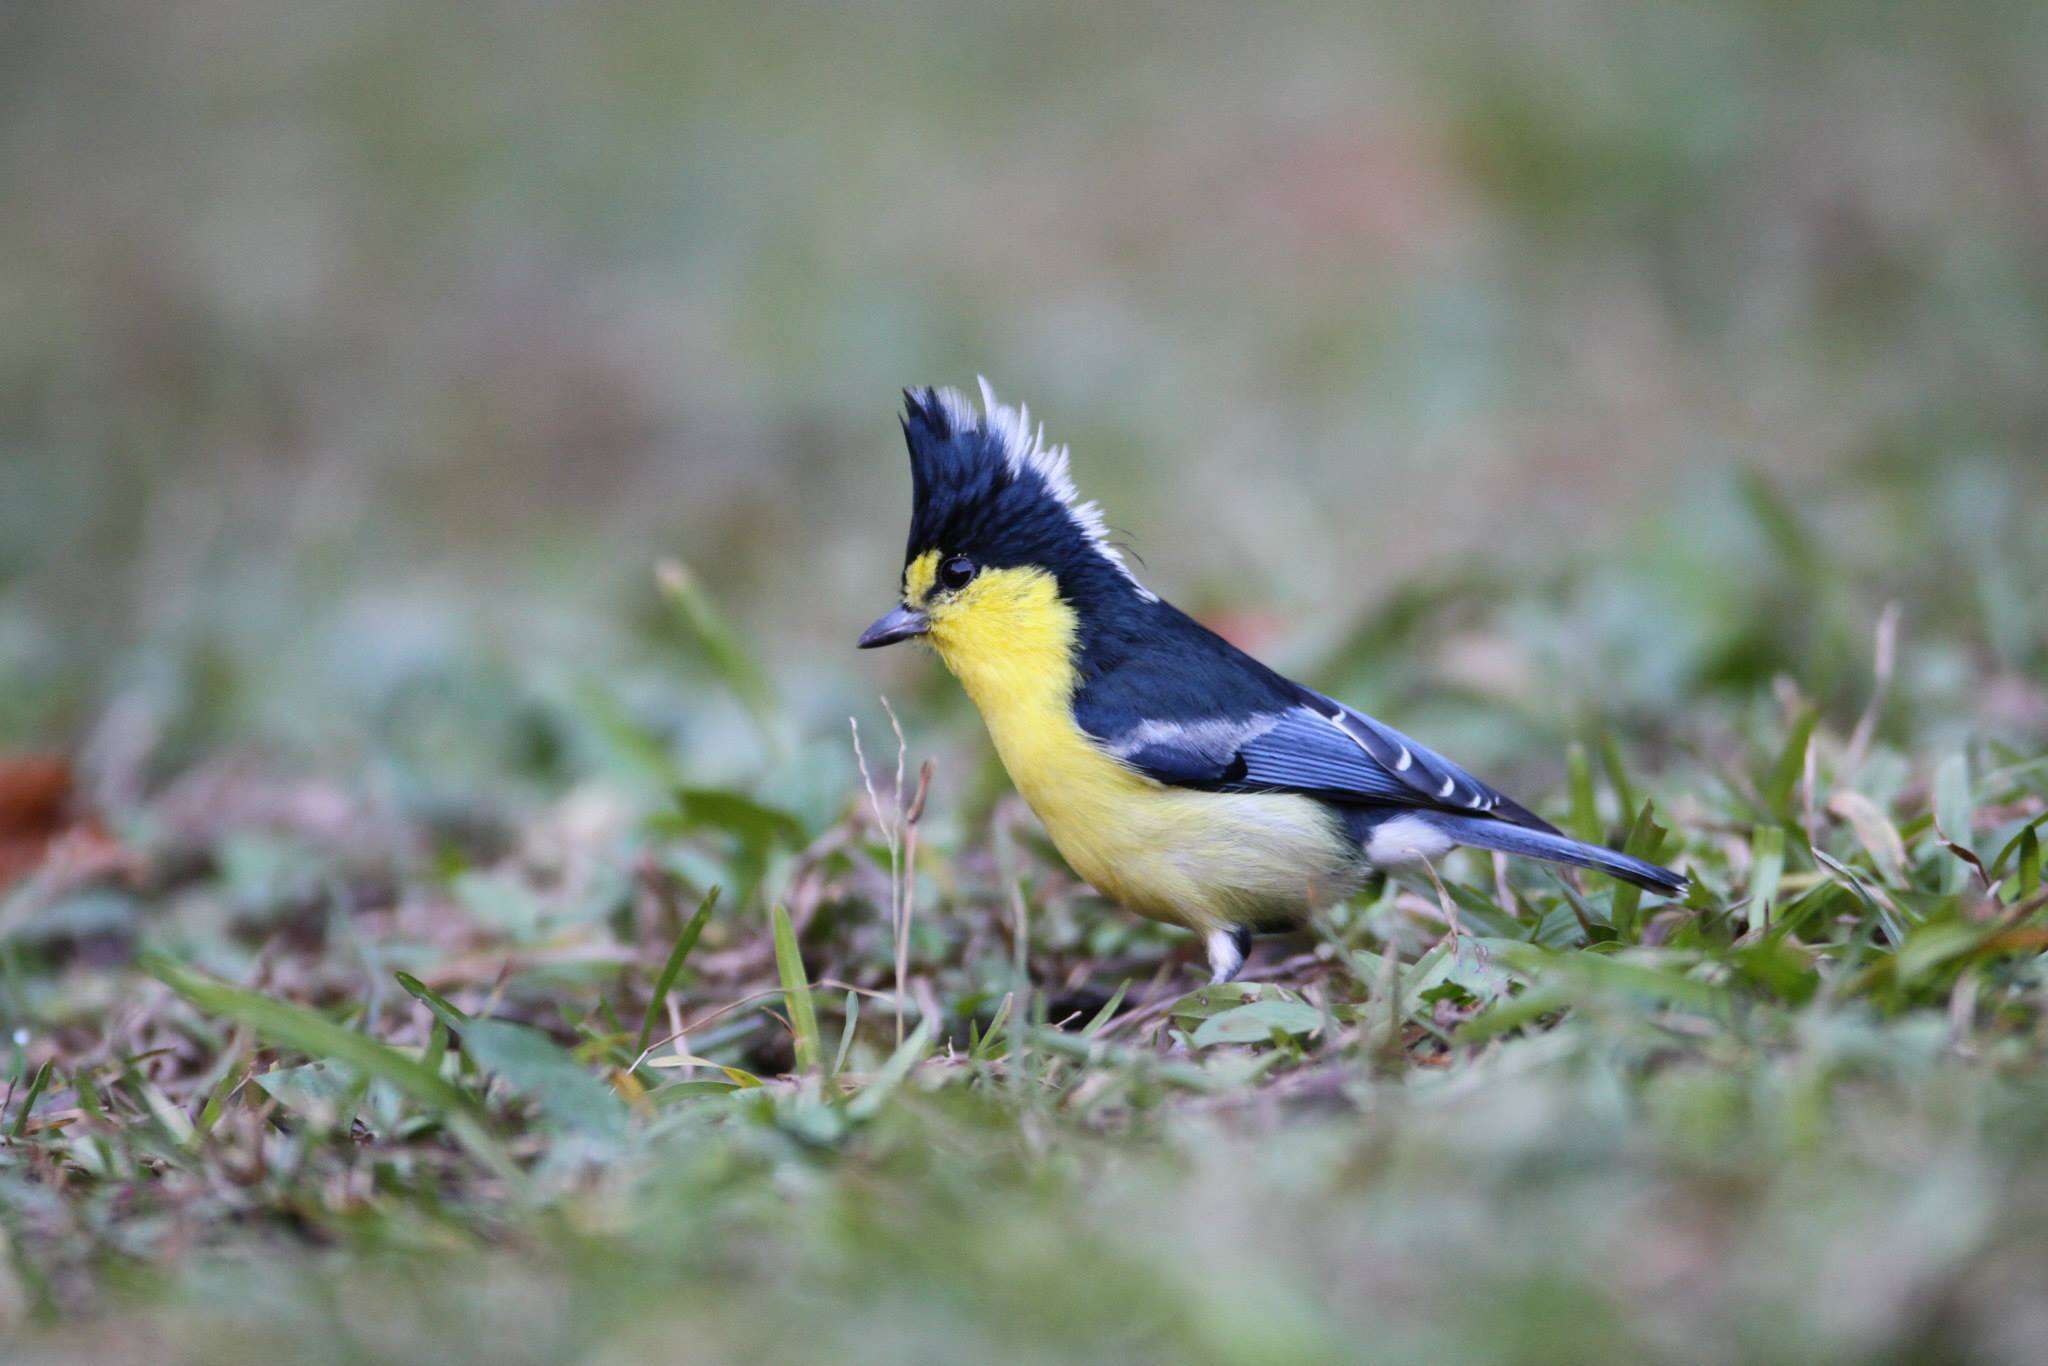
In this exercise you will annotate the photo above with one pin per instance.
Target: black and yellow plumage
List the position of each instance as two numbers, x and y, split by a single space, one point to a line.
1177 774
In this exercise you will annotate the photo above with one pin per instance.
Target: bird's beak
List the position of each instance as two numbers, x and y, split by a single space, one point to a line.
900 624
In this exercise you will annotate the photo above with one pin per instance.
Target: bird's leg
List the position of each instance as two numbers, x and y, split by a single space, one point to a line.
1227 950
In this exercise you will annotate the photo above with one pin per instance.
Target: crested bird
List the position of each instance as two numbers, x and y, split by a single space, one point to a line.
1176 774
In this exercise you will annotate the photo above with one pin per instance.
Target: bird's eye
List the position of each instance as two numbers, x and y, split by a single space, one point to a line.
954 573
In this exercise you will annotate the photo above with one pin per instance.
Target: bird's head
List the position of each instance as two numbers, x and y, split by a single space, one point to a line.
1001 547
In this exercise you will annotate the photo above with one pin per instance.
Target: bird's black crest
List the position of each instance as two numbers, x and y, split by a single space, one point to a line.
984 484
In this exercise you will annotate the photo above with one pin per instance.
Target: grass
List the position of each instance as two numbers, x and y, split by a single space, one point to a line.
701 1071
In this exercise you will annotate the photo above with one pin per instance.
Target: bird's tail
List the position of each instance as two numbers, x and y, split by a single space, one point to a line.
1487 833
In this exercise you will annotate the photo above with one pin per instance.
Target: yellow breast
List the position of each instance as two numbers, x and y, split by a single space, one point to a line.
1198 859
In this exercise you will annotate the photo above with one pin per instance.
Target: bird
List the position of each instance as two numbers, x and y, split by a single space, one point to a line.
1180 777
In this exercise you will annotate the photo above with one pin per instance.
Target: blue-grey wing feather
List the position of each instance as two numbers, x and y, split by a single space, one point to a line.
1185 707
1319 748
1434 780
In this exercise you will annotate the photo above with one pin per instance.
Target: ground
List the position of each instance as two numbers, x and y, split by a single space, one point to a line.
700 1068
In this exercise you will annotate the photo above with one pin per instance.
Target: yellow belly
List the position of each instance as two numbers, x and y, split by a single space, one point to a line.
1203 860
1199 859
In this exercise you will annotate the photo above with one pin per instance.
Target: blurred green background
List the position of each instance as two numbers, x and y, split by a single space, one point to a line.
358 360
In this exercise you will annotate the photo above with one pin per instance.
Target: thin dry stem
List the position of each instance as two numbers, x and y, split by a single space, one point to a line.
899 834
1886 658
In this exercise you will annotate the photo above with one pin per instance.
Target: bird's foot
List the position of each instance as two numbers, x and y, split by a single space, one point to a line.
1227 951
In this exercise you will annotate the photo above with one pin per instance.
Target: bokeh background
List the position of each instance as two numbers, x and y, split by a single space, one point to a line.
358 360
433 434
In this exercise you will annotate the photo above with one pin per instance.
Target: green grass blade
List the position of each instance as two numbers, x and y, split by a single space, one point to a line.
846 1034
437 1047
1108 1011
28 1101
1782 525
908 1055
1766 870
2016 844
1617 773
1791 764
1585 817
288 1026
1874 830
89 1097
1511 1013
735 666
443 1011
1955 815
1645 840
685 942
984 1048
176 1124
216 1102
796 990
1595 930
1878 906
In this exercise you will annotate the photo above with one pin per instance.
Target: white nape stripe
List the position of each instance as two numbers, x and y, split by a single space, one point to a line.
1405 839
1024 449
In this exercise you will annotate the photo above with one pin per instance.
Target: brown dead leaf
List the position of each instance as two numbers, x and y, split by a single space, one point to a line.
35 793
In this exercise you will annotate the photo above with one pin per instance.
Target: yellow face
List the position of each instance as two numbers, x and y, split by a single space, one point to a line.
920 576
1007 620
